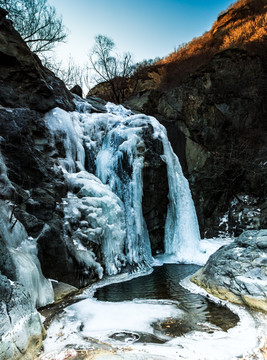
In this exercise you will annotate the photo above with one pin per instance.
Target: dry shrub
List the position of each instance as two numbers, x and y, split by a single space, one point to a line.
246 31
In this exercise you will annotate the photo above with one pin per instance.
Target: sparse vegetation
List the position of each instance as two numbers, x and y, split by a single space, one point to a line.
37 22
243 25
112 69
245 32
243 22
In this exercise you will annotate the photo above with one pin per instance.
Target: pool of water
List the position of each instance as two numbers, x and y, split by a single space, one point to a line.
198 312
153 317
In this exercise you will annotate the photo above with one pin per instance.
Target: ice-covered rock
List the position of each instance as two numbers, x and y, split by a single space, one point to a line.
20 324
105 228
238 272
95 225
20 261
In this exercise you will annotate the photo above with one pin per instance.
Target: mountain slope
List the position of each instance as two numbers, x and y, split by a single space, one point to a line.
242 26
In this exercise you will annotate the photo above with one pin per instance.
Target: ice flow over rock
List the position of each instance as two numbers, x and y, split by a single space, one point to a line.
103 159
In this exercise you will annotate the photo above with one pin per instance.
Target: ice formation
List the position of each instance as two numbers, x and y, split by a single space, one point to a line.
90 318
23 250
103 164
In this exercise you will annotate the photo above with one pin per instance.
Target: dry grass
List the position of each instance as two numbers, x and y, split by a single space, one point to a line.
243 25
244 32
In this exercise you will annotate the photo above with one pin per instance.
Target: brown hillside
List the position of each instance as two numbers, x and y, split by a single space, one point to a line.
243 25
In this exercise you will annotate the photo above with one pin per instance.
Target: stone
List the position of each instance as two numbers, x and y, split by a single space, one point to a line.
98 105
77 90
62 290
238 272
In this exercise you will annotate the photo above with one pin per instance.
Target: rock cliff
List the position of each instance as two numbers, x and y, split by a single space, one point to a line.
216 123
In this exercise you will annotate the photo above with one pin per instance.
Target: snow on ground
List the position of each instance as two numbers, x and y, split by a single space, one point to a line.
90 318
207 248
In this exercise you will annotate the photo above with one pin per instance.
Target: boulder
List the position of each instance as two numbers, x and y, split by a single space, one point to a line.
238 272
77 90
63 290
21 329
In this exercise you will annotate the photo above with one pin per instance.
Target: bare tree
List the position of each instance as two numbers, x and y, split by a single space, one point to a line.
70 72
37 22
113 69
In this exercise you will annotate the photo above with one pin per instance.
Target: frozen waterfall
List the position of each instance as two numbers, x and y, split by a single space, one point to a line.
103 162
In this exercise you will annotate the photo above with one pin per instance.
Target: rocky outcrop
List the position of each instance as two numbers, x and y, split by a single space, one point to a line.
215 122
21 328
24 81
37 187
238 272
31 189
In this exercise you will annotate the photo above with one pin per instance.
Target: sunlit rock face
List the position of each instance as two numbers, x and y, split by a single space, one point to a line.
238 272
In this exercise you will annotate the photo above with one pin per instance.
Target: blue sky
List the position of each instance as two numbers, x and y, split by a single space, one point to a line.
146 28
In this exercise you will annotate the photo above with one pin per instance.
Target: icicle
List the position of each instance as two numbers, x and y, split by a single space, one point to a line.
182 237
119 166
109 142
23 251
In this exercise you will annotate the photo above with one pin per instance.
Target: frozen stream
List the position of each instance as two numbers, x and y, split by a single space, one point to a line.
146 314
156 318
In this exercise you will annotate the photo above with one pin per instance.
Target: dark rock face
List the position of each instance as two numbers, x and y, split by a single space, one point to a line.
155 192
215 122
24 81
238 272
38 188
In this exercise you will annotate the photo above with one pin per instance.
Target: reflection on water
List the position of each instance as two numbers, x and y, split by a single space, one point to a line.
199 313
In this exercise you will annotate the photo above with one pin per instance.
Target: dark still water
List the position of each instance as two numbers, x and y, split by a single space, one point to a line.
199 312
